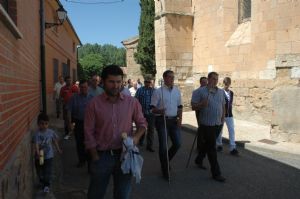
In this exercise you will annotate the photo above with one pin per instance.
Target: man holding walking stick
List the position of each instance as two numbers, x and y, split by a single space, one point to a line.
198 136
166 105
210 101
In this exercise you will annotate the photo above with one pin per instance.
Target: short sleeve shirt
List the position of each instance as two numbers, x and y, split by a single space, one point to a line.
212 114
168 99
45 140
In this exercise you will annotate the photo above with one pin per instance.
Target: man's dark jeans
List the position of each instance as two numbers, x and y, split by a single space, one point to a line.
101 170
58 107
79 137
175 135
208 135
150 131
66 119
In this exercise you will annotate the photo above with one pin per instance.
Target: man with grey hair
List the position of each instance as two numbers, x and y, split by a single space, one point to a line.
95 90
210 101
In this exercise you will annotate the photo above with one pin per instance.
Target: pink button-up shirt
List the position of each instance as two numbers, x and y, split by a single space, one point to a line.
104 121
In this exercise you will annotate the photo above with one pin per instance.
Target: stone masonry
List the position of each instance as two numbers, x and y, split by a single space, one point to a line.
260 54
133 69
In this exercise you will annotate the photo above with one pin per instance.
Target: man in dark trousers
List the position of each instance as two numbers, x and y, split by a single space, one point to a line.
166 102
200 142
211 104
144 94
76 108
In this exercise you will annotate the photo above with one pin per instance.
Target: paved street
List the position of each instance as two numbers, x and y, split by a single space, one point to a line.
248 176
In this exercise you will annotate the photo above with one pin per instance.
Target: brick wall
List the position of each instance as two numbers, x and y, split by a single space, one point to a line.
19 98
59 43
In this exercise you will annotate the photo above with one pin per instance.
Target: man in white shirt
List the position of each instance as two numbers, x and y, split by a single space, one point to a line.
133 89
166 102
56 91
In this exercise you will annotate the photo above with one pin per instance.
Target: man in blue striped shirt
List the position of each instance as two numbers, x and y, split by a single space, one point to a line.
76 108
210 101
143 94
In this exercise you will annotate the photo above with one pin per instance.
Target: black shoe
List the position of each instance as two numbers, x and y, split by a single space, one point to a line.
150 149
219 148
141 144
219 178
80 164
199 163
234 152
166 175
201 166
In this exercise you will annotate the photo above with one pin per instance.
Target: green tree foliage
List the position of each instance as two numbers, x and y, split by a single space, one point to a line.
80 72
92 64
145 54
93 57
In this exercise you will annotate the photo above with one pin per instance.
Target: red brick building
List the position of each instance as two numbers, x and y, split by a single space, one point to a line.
20 85
61 51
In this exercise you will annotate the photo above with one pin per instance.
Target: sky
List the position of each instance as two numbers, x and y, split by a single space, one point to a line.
104 23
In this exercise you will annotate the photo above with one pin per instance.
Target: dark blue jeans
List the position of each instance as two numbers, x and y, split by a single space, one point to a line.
44 171
79 137
150 131
208 136
175 135
101 170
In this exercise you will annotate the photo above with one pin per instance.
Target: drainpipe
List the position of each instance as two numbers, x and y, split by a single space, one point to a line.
77 60
43 62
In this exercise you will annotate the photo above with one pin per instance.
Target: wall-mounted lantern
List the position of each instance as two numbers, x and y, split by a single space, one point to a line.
61 15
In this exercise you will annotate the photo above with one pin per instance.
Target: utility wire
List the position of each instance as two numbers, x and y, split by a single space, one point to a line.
94 2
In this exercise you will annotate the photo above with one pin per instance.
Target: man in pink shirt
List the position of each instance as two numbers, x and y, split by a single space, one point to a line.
107 116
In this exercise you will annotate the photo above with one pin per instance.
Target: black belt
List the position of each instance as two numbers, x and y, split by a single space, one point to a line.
112 152
169 117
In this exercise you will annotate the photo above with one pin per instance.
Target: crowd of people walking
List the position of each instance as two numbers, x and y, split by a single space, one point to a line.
100 111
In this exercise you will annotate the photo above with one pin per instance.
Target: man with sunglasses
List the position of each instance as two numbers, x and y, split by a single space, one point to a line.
144 94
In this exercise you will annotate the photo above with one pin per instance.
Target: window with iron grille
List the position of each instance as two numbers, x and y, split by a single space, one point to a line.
65 69
244 10
10 6
74 75
4 4
55 70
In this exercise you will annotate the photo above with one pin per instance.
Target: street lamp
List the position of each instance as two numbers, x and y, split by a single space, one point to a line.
61 14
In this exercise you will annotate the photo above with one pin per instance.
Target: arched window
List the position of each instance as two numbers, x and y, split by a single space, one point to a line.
244 11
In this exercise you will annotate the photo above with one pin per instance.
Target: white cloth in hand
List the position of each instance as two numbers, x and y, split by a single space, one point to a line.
132 161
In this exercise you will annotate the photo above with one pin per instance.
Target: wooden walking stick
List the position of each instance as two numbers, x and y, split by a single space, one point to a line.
196 136
166 133
190 155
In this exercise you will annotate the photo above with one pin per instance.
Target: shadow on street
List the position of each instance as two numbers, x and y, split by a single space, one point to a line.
249 176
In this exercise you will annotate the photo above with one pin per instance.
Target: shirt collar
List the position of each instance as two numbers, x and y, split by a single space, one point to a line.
169 88
212 90
121 96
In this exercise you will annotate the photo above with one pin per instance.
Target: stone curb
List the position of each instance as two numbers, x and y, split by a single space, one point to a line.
252 146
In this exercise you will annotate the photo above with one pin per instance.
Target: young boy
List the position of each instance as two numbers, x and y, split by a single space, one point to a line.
43 141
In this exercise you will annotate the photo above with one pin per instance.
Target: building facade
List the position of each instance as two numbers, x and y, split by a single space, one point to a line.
61 51
133 69
256 43
20 87
19 94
